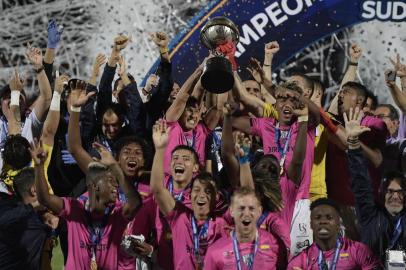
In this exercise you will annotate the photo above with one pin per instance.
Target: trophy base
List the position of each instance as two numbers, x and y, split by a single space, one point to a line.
218 75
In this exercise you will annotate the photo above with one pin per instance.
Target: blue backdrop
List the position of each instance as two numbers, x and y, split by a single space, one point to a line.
295 24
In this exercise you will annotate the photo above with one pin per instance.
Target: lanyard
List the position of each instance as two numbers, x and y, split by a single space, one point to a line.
196 237
396 233
322 262
178 197
262 218
193 139
96 232
251 256
282 150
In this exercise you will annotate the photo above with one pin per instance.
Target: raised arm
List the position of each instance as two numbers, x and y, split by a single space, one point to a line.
231 164
43 101
251 102
213 115
260 77
163 197
52 120
54 37
12 110
78 98
98 63
271 49
243 147
361 183
294 171
133 197
50 201
350 75
161 40
399 97
178 106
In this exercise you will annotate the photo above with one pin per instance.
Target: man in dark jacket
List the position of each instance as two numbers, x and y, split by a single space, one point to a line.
382 228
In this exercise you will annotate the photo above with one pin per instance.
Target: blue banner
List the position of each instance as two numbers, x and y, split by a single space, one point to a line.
295 24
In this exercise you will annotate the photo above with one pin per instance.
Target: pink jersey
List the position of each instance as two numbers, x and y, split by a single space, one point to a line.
266 129
79 243
353 256
163 230
221 255
180 221
195 138
143 223
338 176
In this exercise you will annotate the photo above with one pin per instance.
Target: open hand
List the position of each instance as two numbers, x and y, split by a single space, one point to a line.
254 67
34 56
106 157
99 61
160 134
352 122
78 95
398 66
16 82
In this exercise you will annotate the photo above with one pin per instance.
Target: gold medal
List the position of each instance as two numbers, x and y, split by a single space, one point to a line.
93 263
168 236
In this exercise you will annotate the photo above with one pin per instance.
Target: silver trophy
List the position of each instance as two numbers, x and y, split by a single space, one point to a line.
218 73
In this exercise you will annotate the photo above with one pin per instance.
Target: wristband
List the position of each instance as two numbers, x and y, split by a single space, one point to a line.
244 159
303 118
266 65
55 102
353 63
15 98
75 109
163 50
38 70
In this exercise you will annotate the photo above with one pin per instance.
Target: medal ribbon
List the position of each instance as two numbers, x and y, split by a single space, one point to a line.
196 237
179 197
322 262
282 150
396 232
252 254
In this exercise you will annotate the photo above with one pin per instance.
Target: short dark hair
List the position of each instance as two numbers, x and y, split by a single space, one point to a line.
325 201
393 112
16 152
188 148
192 102
207 179
23 181
389 177
146 148
359 88
309 83
290 86
373 98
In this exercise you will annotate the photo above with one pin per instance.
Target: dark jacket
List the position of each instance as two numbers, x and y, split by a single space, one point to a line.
377 225
22 235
